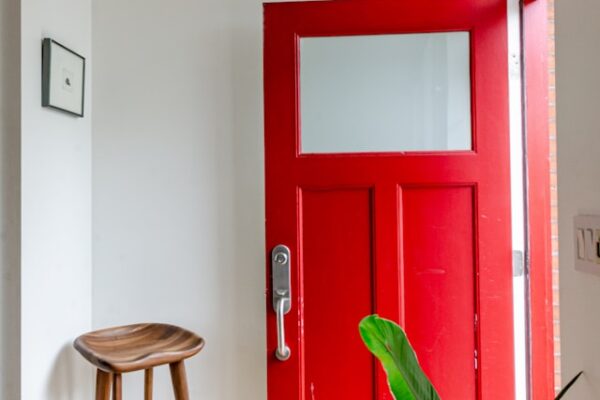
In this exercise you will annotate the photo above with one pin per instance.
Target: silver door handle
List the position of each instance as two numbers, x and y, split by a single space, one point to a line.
283 352
282 296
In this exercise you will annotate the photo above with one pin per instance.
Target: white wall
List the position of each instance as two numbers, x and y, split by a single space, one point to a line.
578 104
178 216
9 198
56 213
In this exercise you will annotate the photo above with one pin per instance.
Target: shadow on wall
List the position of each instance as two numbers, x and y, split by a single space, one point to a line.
9 200
68 368
249 205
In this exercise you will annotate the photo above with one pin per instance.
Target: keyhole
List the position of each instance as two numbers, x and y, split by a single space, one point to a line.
281 258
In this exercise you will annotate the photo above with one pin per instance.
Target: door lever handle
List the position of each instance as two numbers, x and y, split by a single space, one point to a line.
283 352
282 296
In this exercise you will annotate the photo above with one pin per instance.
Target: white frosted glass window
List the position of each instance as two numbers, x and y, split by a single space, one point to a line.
408 92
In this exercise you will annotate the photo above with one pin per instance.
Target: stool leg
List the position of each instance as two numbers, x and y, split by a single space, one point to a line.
103 381
117 387
179 381
148 377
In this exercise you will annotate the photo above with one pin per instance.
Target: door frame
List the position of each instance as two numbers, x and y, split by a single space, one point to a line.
541 324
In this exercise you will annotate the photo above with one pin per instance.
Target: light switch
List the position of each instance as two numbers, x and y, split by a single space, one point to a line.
587 243
590 248
597 246
580 245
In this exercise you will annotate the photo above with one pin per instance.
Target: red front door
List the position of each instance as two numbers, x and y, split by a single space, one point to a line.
378 213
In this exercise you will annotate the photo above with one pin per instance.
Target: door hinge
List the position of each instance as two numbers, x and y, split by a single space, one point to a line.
476 360
518 263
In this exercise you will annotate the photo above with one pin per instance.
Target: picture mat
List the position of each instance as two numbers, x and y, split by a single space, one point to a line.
64 65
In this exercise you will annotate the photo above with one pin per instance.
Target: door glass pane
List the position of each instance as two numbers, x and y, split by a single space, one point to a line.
408 92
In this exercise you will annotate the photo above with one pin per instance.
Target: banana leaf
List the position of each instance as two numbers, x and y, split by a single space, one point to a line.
388 342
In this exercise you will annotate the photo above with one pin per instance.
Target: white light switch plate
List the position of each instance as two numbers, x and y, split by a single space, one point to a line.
587 243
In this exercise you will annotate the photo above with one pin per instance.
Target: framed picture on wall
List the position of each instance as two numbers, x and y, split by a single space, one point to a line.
63 78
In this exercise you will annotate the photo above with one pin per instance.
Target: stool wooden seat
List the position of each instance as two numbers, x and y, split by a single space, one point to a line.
138 347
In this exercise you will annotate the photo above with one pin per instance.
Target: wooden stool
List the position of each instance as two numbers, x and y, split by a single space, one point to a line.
115 351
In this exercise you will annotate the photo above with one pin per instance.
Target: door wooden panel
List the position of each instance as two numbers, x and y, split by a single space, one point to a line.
439 285
338 283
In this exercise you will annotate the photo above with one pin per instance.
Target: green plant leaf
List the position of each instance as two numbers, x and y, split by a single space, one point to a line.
388 342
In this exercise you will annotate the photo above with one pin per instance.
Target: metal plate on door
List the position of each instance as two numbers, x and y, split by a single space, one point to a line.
280 267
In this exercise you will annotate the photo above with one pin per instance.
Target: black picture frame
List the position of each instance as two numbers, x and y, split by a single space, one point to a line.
47 75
